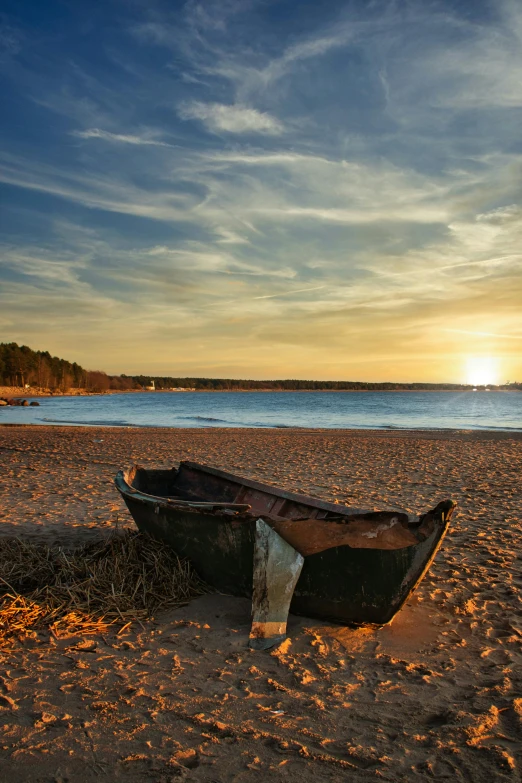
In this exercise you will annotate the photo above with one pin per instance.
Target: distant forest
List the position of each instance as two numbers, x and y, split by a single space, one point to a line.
19 365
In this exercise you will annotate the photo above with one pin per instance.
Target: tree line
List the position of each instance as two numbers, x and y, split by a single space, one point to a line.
19 365
233 384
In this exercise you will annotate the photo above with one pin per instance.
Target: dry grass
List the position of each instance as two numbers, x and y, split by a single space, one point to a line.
113 582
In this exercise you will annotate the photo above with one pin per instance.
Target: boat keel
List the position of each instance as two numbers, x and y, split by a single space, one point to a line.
277 567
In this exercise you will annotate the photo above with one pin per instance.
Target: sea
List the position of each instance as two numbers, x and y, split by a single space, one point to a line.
470 410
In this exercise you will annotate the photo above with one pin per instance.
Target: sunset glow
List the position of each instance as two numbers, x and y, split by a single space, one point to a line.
238 189
482 371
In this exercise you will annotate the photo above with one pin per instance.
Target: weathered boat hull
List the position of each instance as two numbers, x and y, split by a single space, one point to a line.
342 584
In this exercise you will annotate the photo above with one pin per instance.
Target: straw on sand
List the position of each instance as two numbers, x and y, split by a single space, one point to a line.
113 582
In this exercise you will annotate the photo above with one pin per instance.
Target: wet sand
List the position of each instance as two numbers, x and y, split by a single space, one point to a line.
437 695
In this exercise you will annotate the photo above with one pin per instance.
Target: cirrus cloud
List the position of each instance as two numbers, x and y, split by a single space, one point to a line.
122 138
231 118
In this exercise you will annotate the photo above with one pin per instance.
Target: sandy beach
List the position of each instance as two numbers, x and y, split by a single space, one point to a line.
437 695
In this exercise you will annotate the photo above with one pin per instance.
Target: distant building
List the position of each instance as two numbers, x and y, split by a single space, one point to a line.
152 387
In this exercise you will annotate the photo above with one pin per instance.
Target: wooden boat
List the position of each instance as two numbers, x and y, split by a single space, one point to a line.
288 551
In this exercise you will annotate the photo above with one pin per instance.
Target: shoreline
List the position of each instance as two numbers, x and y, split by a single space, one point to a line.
7 392
19 392
488 434
435 692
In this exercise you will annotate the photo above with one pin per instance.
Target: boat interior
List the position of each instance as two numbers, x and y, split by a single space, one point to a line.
200 483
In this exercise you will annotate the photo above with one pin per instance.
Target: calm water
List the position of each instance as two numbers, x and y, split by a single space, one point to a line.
353 410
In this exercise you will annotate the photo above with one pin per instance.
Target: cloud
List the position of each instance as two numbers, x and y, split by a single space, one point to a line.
95 189
485 334
297 187
10 41
214 14
231 237
485 69
368 157
511 212
124 138
199 257
304 50
219 117
356 216
289 293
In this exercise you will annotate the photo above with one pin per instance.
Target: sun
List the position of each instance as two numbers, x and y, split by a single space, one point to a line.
481 371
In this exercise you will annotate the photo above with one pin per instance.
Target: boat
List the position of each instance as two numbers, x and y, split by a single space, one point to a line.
288 552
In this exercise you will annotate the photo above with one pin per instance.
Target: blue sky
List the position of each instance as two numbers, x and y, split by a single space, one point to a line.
264 189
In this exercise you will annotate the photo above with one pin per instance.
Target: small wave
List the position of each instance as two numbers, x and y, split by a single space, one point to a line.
234 423
287 426
457 426
504 427
204 418
93 423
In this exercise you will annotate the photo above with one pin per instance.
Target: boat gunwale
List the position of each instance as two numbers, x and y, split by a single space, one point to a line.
166 501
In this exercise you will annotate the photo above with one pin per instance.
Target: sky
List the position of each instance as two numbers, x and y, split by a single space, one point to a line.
264 188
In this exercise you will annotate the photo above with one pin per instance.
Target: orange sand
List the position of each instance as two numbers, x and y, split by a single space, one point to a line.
435 696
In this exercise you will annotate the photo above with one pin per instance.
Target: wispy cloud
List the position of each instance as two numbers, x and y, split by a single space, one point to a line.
209 163
97 190
290 293
485 334
123 138
10 41
230 118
